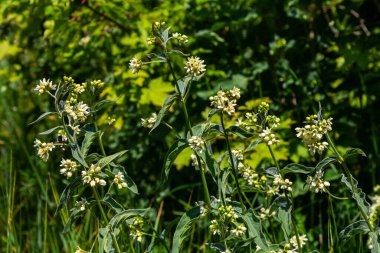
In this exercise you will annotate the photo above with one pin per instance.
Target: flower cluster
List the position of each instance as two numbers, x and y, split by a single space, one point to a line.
135 64
238 153
269 137
214 227
265 213
97 84
283 184
251 176
227 213
226 222
78 112
239 230
135 229
43 149
91 176
81 205
316 183
302 239
149 122
120 181
45 86
196 143
226 101
194 66
68 167
312 133
180 38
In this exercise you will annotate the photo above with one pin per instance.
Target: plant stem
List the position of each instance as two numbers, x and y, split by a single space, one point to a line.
231 159
350 178
290 201
183 104
105 218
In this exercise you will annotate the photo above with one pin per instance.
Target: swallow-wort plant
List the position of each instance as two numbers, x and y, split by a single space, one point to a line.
242 208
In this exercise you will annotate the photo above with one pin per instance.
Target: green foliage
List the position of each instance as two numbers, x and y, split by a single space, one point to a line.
297 53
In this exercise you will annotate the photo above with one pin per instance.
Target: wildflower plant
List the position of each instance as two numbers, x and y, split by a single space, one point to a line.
233 220
243 208
96 178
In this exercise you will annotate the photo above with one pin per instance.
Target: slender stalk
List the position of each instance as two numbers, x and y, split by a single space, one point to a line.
231 159
291 201
183 104
157 222
106 219
350 178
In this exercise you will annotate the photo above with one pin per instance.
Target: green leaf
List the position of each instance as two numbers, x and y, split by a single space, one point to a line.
353 152
50 130
108 159
130 183
209 161
111 202
67 192
89 138
119 218
255 230
223 182
253 144
43 116
212 113
353 229
172 153
239 131
167 104
99 105
357 194
284 215
325 162
77 155
165 35
105 240
183 226
216 246
183 83
296 168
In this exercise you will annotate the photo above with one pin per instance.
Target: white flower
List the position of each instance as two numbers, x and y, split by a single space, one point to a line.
214 227
265 213
180 37
68 167
135 65
283 184
239 230
119 180
302 239
82 110
196 143
194 161
76 129
235 92
238 153
43 149
267 136
316 183
312 133
44 86
91 177
194 66
225 101
149 122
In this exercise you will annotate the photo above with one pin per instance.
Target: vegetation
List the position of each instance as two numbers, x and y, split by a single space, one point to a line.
189 126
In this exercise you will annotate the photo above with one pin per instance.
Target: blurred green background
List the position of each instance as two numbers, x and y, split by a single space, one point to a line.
294 52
